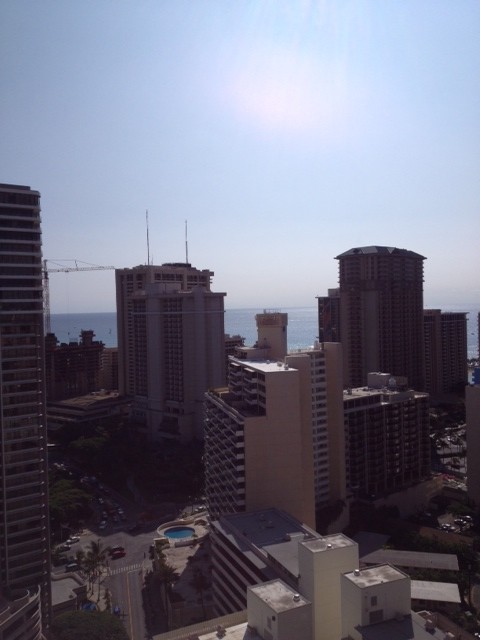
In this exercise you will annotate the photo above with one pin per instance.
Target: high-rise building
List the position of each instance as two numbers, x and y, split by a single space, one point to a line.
381 314
472 406
388 433
24 529
445 351
171 346
275 435
329 316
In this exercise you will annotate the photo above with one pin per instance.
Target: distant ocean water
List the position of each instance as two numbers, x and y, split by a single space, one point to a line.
302 326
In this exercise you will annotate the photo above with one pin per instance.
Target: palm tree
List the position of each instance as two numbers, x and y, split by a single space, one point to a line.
93 561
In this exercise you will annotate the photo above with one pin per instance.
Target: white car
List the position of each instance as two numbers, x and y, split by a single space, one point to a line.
73 539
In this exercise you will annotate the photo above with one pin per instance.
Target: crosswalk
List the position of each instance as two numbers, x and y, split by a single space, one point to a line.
126 569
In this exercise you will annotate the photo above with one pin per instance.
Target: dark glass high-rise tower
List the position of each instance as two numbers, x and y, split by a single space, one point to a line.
381 314
24 530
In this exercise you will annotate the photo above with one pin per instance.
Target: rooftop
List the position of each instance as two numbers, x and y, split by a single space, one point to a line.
438 591
270 531
379 250
445 561
370 576
279 596
412 627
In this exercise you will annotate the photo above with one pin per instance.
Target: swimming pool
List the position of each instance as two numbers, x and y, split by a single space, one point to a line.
179 532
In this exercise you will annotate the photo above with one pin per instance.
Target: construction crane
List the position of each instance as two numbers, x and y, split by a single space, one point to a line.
61 269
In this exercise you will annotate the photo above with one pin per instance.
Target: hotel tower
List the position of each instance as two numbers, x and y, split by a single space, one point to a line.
381 314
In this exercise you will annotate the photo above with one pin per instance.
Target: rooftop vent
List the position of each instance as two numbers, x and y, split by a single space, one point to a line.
357 572
296 597
329 545
429 624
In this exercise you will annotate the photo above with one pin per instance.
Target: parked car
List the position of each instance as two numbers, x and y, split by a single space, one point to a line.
72 566
117 548
63 547
73 539
118 554
102 524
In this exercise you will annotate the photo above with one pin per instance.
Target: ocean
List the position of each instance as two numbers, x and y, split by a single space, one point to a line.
302 326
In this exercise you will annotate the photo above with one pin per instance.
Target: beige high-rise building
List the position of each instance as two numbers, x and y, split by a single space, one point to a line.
445 351
275 435
24 528
171 346
381 314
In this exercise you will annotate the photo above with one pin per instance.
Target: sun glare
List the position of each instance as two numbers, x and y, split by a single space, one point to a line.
290 78
285 91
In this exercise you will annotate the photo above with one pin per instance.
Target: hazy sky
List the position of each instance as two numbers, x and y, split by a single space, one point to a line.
284 131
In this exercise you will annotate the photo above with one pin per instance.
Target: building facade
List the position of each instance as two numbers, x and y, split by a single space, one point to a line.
446 352
171 346
329 316
381 314
72 369
388 434
275 435
472 406
24 529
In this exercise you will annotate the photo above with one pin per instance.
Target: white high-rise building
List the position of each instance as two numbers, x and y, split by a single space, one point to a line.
171 346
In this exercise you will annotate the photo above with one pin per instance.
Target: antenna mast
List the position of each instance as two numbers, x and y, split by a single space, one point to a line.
186 241
148 241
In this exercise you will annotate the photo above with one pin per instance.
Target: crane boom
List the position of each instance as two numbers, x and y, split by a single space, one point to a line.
61 269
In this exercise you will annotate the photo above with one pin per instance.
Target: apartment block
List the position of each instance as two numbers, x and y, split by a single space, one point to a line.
381 314
445 351
388 436
72 369
171 347
24 529
109 369
275 435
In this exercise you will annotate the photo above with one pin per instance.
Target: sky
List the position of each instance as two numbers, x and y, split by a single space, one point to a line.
284 132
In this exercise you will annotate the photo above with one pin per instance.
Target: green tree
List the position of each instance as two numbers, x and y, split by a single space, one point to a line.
67 503
88 625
